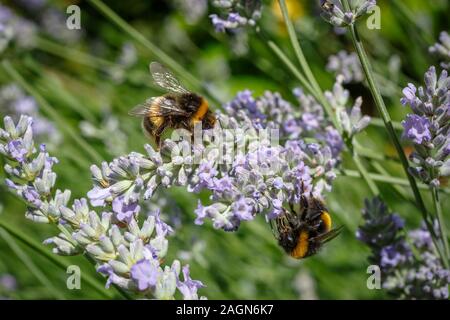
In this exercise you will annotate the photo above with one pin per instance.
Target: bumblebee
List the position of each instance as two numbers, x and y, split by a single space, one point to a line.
302 234
327 5
177 109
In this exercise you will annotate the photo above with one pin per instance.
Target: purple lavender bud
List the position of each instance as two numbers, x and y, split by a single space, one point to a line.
17 150
189 287
97 196
417 129
124 211
144 274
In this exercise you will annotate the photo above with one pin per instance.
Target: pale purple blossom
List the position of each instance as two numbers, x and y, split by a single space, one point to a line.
145 274
441 49
427 127
347 65
124 211
189 287
417 129
15 103
128 251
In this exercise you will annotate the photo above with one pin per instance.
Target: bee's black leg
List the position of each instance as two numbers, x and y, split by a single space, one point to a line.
291 206
158 141
157 135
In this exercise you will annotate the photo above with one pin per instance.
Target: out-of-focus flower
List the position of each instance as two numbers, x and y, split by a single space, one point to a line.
442 49
15 30
237 14
32 4
193 10
109 132
351 119
15 103
333 11
296 10
305 285
428 127
380 228
53 22
8 282
409 266
347 65
8 286
125 61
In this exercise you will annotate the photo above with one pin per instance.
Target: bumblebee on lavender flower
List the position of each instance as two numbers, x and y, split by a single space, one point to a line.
177 109
303 233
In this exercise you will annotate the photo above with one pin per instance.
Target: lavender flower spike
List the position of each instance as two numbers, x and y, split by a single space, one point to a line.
334 13
31 176
351 119
409 266
427 128
442 49
347 65
129 253
237 13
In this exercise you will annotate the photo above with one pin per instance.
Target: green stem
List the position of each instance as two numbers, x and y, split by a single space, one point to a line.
365 175
296 45
280 54
442 228
62 125
87 60
377 122
71 54
25 258
384 179
377 177
373 154
305 66
422 33
63 266
154 50
49 82
378 167
367 68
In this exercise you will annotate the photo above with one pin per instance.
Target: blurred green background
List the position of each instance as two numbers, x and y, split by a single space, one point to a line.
93 76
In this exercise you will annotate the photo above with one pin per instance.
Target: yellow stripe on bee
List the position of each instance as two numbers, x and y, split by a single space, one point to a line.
200 113
326 219
155 108
301 249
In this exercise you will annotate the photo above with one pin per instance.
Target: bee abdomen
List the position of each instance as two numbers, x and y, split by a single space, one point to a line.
302 247
148 126
201 111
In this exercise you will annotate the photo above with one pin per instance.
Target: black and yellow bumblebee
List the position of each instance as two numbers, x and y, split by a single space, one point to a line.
301 234
177 109
327 5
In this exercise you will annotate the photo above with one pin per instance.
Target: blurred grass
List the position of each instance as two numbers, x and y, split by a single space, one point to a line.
247 264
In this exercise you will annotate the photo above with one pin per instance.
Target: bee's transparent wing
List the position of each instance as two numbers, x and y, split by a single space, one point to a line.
142 110
164 107
165 79
330 235
169 106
